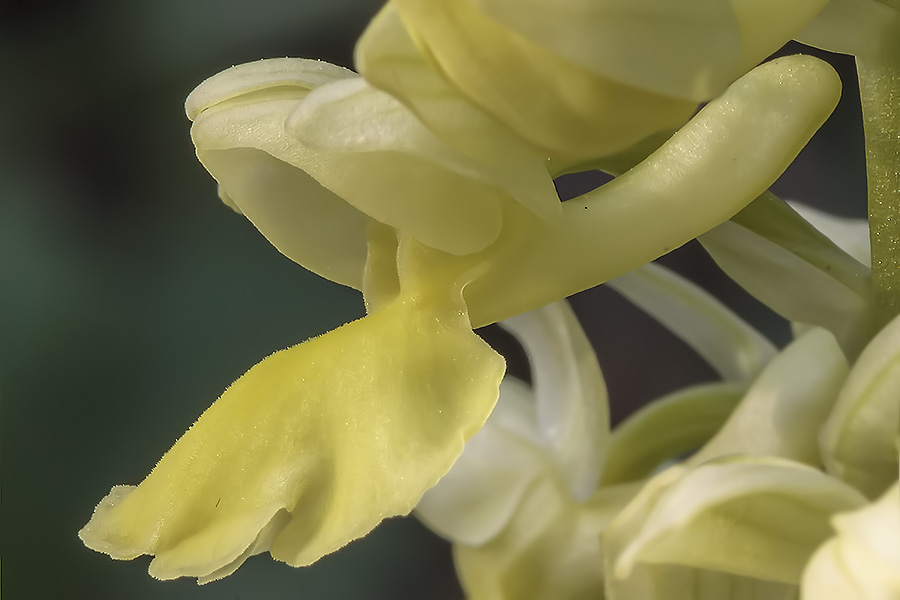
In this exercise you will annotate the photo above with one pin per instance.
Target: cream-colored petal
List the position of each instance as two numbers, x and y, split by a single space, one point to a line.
570 393
783 411
668 427
749 516
685 49
551 549
732 347
315 215
389 59
554 104
239 134
339 432
860 437
304 221
474 501
292 75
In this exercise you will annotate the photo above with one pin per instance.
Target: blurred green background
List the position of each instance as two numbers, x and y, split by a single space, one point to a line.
130 297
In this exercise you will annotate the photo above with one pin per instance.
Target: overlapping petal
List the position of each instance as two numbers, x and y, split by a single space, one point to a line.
782 412
298 197
720 516
579 79
685 50
551 548
555 105
795 269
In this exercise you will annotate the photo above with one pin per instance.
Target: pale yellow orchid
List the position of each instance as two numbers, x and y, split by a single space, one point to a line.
808 436
528 501
578 79
318 443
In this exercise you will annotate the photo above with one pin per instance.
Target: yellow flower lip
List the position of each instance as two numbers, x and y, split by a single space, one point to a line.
263 75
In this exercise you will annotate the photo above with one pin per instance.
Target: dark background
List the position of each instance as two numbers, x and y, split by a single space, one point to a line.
131 297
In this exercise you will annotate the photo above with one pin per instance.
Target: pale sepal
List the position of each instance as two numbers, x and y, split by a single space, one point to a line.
351 117
239 133
572 407
553 103
751 516
389 59
686 50
784 409
661 581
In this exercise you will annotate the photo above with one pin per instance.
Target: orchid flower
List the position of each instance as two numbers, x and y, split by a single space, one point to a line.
809 435
318 443
579 80
528 501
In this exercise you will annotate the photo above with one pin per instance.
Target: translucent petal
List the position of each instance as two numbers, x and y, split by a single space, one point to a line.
750 516
553 103
551 549
667 427
390 60
238 125
737 351
572 405
782 412
350 116
859 438
420 199
861 561
687 49
328 438
291 75
474 501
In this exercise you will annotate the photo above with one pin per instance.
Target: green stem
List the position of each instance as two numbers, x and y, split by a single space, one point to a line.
879 86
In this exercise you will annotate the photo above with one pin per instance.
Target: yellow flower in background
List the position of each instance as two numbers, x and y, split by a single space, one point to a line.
318 443
578 79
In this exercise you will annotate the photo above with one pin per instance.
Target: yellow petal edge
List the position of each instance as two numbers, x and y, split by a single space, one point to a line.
312 447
